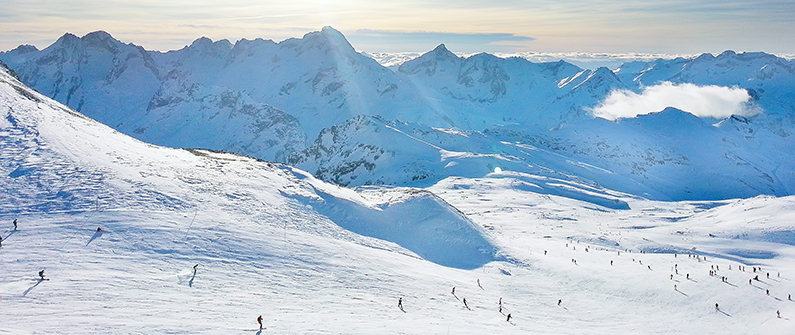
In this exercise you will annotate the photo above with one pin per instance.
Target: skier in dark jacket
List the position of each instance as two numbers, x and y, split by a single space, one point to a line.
15 224
41 274
259 320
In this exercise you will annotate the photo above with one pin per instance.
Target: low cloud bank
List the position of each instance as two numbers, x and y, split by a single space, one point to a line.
701 101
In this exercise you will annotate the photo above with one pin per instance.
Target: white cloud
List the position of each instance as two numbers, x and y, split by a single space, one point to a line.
701 101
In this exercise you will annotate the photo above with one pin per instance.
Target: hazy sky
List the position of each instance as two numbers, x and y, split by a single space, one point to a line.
648 26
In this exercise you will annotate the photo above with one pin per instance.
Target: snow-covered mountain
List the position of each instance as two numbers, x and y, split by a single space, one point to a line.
202 242
317 104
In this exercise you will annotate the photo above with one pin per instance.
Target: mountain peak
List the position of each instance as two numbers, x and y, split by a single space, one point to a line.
24 48
428 62
205 45
441 52
201 42
101 39
67 38
98 35
327 37
441 48
329 30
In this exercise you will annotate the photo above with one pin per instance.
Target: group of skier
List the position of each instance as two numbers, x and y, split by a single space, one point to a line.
713 272
41 272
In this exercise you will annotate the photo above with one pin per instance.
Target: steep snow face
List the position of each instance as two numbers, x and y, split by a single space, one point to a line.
196 116
59 160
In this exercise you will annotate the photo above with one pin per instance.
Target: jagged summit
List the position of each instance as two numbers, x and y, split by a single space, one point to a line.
23 49
65 39
441 52
97 35
327 39
206 46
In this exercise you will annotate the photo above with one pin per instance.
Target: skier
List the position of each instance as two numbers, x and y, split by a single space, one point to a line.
789 296
453 291
559 301
1 241
778 314
195 269
400 303
611 262
15 224
500 309
500 301
716 307
465 303
767 292
481 287
99 230
259 320
508 319
41 274
545 252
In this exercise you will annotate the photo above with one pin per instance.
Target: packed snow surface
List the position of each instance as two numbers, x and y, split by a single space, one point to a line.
202 242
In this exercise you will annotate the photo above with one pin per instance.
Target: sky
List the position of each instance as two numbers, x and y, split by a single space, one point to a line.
647 26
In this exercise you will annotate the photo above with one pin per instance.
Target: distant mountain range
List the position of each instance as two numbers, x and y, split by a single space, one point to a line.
317 104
